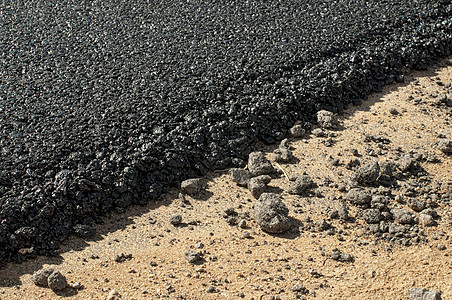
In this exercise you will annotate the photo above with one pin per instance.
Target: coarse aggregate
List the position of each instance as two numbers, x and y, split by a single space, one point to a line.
105 104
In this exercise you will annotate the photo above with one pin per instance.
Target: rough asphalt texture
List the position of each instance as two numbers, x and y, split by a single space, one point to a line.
104 104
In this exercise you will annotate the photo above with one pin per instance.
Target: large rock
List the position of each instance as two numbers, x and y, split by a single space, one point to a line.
240 176
367 174
300 184
445 146
402 216
40 277
257 185
326 119
423 294
57 281
259 165
271 214
191 186
358 196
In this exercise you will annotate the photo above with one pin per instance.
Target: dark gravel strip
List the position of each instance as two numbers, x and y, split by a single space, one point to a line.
104 104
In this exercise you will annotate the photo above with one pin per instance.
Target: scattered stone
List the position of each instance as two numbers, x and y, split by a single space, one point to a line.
445 146
417 204
246 235
376 138
230 211
240 176
405 163
441 247
358 196
297 131
387 168
299 288
367 174
402 216
211 289
342 212
191 186
426 220
326 119
300 184
175 219
394 111
371 216
113 295
192 256
322 225
259 165
423 294
121 257
352 163
40 277
56 281
282 155
271 214
258 185
341 256
242 224
319 132
76 285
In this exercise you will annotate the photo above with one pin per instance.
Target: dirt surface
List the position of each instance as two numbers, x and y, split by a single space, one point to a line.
251 264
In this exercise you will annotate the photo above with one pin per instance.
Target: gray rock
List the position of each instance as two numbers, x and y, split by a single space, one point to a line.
175 219
342 212
319 132
191 186
300 184
284 144
40 277
56 281
341 256
358 196
367 174
297 131
394 111
326 119
417 204
388 168
282 155
240 176
426 220
322 225
258 185
423 294
395 228
371 216
271 214
259 165
405 163
445 146
192 256
402 216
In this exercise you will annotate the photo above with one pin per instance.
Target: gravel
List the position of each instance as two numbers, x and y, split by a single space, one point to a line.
105 104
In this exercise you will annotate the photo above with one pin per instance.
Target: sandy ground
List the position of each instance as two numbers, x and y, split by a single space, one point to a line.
264 266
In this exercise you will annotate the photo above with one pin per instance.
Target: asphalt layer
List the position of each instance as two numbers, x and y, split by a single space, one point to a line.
104 104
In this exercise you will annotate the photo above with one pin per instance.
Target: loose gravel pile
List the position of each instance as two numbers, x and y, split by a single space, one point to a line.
104 104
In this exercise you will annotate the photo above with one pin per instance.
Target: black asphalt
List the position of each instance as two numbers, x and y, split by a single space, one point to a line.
104 104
